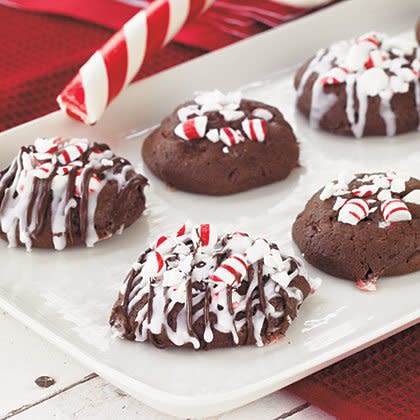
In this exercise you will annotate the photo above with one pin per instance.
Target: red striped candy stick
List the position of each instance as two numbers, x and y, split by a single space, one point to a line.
114 66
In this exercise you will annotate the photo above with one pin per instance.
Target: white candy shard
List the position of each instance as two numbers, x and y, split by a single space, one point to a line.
263 113
398 185
186 112
413 197
357 57
213 135
339 202
230 115
372 81
384 195
257 251
239 243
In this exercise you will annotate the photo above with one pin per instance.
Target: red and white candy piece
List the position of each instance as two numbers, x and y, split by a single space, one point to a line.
154 264
48 145
42 157
115 64
206 235
263 113
255 129
192 129
43 171
368 285
94 183
373 39
185 112
183 230
72 152
230 137
231 271
353 211
395 210
165 244
365 190
375 58
64 170
335 76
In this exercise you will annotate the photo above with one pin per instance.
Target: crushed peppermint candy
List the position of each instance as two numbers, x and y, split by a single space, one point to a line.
194 122
370 65
357 197
217 276
54 175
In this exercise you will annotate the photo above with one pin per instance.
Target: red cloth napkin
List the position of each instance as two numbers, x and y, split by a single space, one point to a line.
38 56
379 383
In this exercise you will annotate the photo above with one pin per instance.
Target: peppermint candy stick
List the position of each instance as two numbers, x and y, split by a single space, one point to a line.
114 65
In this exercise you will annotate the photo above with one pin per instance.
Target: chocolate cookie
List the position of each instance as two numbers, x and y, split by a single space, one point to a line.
62 192
203 290
365 86
363 227
221 144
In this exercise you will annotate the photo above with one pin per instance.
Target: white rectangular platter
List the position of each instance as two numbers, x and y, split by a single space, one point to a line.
67 296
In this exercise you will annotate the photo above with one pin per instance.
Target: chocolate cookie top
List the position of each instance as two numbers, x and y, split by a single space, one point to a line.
203 289
372 65
58 181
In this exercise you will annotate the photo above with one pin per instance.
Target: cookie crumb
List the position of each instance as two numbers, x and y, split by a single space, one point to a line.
45 381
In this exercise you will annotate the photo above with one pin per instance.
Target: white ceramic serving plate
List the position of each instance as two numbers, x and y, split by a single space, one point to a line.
67 296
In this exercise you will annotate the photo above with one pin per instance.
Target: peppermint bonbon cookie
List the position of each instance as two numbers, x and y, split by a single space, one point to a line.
62 192
197 288
365 86
362 227
221 144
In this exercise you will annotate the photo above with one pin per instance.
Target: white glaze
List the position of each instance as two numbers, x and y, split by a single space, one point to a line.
367 71
38 163
198 264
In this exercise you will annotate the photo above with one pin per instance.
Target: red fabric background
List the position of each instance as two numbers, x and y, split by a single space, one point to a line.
38 56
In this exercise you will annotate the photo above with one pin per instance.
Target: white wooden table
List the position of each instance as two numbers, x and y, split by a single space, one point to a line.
80 394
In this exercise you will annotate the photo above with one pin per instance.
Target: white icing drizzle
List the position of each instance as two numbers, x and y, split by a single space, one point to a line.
189 269
388 114
371 65
51 177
